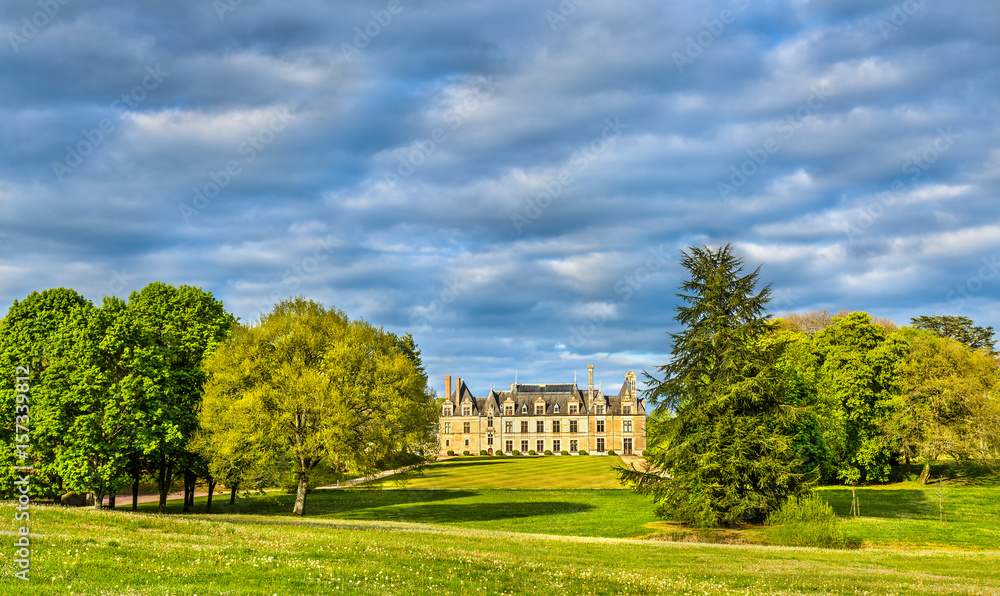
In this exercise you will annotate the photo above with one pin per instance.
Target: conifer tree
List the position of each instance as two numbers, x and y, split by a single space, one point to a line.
719 438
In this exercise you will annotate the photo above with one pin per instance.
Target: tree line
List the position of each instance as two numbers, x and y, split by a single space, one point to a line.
169 385
753 410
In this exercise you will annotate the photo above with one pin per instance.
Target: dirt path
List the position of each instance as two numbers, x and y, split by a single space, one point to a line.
125 499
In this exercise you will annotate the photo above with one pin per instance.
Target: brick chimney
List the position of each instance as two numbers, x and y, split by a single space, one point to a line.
458 389
590 379
447 387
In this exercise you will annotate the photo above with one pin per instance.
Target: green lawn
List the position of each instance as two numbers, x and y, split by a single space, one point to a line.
549 472
83 552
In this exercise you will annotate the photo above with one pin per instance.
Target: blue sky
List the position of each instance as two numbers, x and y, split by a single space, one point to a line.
512 182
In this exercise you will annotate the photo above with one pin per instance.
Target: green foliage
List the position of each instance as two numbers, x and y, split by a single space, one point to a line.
466 452
611 452
807 521
548 452
483 452
564 452
515 453
306 386
584 453
720 438
531 452
452 453
961 329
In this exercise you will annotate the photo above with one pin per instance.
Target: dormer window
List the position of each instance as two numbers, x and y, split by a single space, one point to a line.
466 410
573 408
556 409
508 410
539 409
627 410
524 409
599 409
447 411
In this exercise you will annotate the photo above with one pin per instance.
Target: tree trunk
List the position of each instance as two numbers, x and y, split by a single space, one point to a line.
300 496
99 496
211 489
907 466
232 495
926 474
165 477
111 499
189 481
135 494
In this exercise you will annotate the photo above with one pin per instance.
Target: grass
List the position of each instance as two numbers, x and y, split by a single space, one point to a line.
548 472
86 552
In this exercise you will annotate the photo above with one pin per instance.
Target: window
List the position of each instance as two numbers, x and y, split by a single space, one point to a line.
539 409
626 426
539 427
508 427
573 426
556 409
600 445
508 410
573 446
508 446
556 446
555 426
447 411
447 427
489 422
467 411
524 446
467 442
447 443
540 446
489 439
600 427
466 427
573 408
599 409
524 409
627 446
626 410
524 427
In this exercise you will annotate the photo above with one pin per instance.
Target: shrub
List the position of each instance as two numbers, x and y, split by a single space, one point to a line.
532 452
584 453
451 452
645 452
807 521
482 452
611 452
547 452
466 452
515 453
564 453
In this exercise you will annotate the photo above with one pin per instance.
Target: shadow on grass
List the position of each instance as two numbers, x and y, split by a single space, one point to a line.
442 513
886 503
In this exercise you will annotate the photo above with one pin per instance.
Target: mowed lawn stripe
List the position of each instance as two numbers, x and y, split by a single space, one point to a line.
538 472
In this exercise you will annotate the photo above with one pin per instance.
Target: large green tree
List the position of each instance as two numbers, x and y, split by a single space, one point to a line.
305 386
720 437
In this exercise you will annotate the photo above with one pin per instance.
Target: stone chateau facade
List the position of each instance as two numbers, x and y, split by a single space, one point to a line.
543 417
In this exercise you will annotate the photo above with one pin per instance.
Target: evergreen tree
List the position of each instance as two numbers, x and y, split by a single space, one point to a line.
720 437
958 328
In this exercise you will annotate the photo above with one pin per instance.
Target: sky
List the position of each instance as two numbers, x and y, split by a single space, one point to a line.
511 182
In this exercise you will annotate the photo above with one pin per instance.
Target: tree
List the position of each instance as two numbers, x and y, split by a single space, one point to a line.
305 386
943 383
958 328
29 336
175 329
858 381
720 435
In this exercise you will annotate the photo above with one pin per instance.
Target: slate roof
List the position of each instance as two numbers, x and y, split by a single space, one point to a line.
525 396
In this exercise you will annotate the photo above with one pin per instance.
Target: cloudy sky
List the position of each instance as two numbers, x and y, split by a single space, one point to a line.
512 182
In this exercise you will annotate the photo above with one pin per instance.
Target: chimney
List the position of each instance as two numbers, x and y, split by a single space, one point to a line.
458 390
590 379
447 388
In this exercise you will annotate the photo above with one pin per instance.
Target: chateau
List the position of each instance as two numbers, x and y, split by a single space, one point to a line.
544 417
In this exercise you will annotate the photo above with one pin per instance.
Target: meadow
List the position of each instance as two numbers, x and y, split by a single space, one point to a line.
488 538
